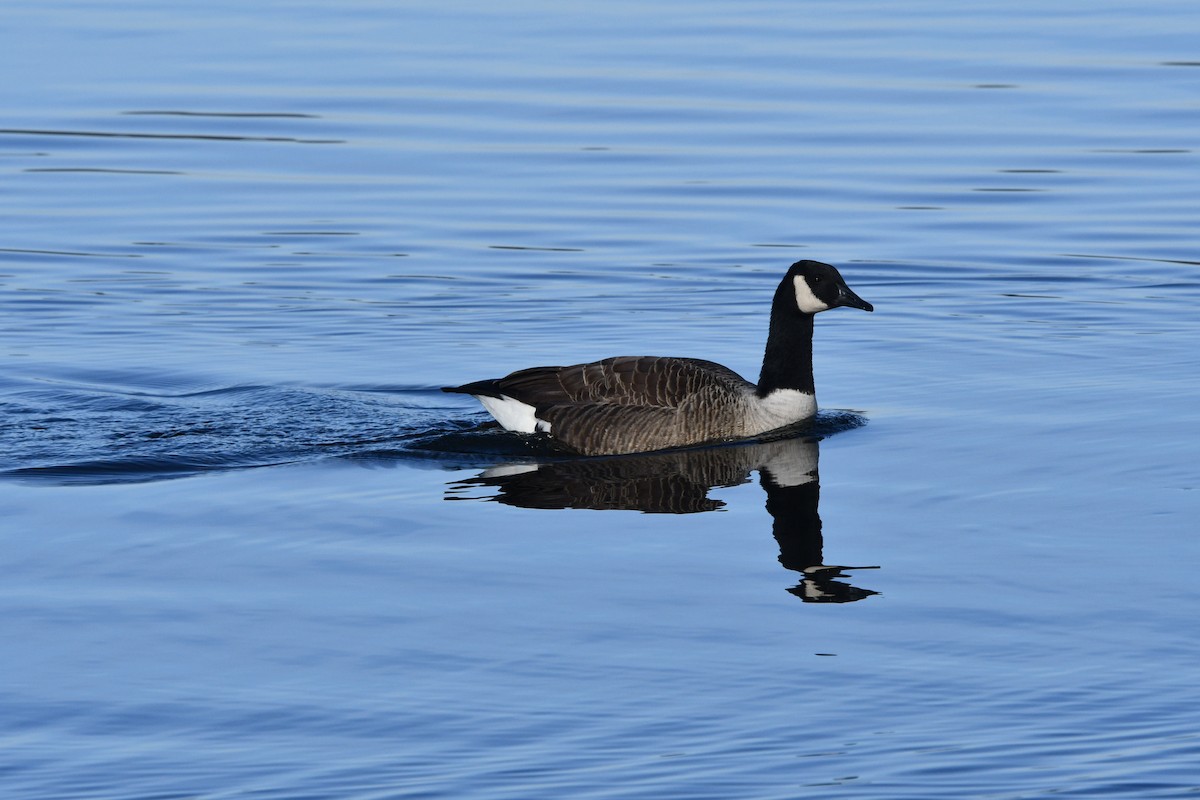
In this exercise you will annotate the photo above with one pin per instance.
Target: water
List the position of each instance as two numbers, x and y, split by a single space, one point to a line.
251 550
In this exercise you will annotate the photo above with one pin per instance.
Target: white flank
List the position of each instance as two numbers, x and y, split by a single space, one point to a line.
806 301
513 414
781 407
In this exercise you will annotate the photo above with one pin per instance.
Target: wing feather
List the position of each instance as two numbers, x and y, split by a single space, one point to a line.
623 380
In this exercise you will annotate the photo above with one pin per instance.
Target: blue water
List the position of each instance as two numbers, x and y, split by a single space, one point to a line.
251 550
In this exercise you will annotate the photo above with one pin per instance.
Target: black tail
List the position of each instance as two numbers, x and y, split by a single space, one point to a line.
488 388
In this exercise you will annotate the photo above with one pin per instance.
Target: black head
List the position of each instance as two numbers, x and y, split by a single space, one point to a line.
819 287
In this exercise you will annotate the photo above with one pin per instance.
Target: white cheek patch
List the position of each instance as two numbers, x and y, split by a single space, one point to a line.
806 301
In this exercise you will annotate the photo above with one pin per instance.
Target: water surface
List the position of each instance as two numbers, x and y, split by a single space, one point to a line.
252 550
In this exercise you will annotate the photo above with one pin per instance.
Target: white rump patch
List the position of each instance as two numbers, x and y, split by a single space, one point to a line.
806 301
513 415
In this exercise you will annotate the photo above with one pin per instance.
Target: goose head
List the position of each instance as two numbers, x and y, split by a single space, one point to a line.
820 287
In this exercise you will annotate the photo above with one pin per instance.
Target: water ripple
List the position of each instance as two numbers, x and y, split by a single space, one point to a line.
209 137
69 432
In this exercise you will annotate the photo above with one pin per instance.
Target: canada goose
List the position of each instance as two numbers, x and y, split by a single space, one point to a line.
635 404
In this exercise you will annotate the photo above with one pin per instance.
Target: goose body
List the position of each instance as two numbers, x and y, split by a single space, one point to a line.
633 404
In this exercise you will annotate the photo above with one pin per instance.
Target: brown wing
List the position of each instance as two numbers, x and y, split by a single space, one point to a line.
651 405
623 380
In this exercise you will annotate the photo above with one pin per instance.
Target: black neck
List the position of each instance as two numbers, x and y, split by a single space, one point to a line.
787 362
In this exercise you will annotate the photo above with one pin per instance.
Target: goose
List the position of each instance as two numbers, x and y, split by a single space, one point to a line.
637 404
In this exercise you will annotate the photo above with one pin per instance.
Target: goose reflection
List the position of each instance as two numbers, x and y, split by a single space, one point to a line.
678 482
